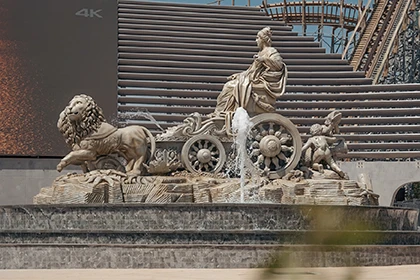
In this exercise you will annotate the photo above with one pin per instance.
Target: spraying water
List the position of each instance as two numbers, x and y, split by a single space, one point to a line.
241 126
144 113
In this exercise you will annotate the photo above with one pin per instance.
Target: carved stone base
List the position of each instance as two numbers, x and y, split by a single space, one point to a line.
110 186
99 186
321 192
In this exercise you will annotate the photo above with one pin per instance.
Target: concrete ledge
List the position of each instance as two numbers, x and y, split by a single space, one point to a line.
52 256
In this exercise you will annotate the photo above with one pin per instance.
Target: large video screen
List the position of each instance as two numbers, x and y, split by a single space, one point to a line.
51 50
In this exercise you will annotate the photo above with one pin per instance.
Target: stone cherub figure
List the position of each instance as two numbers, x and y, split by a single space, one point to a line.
257 88
319 149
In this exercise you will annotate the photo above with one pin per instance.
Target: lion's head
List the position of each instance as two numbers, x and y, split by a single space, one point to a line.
80 119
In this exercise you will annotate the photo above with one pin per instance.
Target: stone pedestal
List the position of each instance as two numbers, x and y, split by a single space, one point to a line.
115 187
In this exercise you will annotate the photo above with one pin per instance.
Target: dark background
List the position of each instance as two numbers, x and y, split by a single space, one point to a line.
47 55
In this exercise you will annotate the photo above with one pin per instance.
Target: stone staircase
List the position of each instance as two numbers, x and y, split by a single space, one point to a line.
174 60
204 236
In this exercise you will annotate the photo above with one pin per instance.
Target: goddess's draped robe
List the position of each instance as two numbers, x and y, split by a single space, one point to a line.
257 88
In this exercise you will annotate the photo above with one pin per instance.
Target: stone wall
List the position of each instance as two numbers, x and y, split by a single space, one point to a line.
387 177
208 216
22 178
199 256
205 236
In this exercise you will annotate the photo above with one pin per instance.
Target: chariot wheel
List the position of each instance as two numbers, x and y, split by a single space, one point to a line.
274 144
203 153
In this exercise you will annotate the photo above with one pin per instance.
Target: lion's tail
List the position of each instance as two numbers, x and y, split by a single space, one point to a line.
152 143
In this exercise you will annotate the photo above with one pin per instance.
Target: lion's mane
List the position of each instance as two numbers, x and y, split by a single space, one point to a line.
75 131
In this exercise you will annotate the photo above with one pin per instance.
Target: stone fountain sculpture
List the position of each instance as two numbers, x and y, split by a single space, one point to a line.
195 161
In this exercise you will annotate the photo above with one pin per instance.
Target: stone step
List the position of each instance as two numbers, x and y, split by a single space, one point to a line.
328 59
129 256
209 15
153 40
203 38
223 73
228 28
220 53
267 237
139 46
392 89
148 28
231 66
179 19
153 6
156 81
204 216
193 11
308 102
218 80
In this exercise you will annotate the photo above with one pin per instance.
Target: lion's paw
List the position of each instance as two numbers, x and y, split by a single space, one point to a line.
60 166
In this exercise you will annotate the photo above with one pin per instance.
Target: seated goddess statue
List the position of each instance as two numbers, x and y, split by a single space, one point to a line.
257 88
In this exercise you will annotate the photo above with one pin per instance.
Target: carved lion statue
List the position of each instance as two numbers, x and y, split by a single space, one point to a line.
85 130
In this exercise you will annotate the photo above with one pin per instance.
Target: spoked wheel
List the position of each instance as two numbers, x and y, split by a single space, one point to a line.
275 144
203 153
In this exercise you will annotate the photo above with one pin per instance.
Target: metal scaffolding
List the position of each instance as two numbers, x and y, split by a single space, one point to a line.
379 37
332 23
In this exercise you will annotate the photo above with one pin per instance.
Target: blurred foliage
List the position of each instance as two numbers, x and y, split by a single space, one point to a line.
330 236
412 191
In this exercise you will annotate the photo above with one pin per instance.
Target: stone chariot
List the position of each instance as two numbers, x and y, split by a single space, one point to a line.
273 144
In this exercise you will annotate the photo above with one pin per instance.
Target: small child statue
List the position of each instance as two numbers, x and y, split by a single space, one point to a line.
318 149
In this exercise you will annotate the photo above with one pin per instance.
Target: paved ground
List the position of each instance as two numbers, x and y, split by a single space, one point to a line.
408 272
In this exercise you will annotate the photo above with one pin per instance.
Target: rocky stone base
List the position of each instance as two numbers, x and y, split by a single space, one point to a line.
99 186
109 186
323 192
